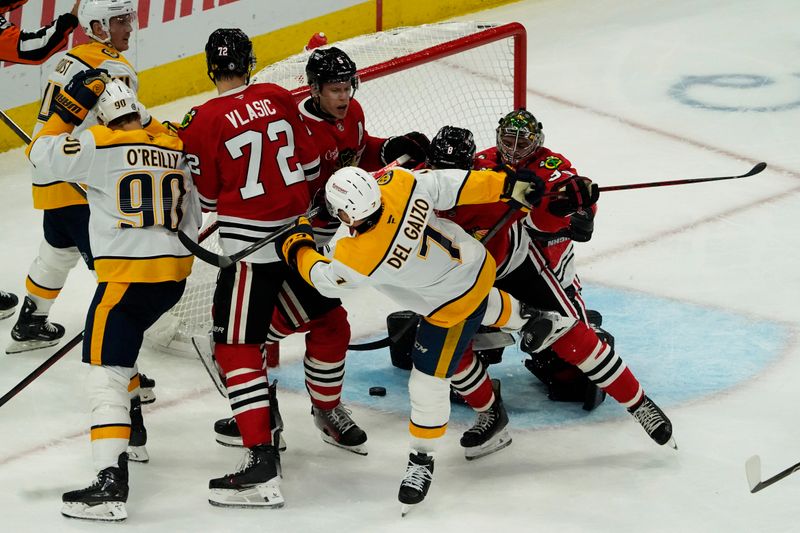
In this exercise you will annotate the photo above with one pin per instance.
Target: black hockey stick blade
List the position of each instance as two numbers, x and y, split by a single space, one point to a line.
753 471
53 359
757 169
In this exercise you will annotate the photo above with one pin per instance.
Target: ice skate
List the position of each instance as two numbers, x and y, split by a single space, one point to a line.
104 500
32 331
417 480
339 429
227 433
489 433
8 302
256 484
654 422
137 452
146 393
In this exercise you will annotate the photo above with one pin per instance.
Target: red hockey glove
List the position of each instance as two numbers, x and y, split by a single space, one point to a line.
301 235
575 193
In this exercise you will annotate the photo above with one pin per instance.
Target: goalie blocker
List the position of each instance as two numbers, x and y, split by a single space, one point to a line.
565 382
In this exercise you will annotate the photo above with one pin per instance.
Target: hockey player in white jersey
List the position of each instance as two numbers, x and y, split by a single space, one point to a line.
140 193
429 265
109 24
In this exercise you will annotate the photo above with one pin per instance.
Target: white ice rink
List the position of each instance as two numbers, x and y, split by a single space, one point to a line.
699 284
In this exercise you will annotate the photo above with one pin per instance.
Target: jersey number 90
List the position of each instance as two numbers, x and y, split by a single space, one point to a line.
147 199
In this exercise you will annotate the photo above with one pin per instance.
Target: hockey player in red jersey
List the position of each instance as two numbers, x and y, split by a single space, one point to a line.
535 259
338 128
253 156
34 47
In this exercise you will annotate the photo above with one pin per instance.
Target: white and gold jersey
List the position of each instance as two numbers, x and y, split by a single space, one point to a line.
140 193
49 192
425 263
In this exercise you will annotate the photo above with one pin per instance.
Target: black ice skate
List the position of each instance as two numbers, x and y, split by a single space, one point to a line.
417 481
146 393
489 433
8 302
654 422
32 332
256 484
137 452
227 433
103 500
339 429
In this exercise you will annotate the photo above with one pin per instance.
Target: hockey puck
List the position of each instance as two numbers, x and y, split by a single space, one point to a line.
377 391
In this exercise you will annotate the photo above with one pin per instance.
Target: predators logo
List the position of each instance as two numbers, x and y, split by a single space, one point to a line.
111 53
552 162
386 178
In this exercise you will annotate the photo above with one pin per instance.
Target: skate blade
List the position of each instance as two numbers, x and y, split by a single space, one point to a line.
263 496
105 512
671 443
495 444
7 313
359 449
236 442
28 346
138 454
405 509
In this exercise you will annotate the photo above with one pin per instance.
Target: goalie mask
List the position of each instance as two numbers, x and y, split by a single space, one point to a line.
330 65
229 52
519 135
354 191
452 147
117 100
103 11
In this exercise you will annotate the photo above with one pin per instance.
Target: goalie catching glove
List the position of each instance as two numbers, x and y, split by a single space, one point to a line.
414 144
522 187
301 235
576 193
80 95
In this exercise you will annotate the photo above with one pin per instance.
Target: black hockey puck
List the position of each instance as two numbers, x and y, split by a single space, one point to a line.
377 391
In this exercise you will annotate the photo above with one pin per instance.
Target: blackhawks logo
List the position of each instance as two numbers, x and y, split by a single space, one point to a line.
188 117
552 162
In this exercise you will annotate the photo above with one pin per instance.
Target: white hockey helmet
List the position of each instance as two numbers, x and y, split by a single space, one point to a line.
116 100
354 191
103 11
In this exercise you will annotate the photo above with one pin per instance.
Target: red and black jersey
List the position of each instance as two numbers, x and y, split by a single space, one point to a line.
34 48
251 156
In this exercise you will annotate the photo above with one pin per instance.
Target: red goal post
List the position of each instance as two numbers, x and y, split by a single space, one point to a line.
420 78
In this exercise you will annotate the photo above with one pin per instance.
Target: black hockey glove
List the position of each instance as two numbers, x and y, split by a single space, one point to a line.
523 187
80 94
301 235
581 225
576 193
414 144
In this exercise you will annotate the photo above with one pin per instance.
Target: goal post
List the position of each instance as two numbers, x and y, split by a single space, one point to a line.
420 78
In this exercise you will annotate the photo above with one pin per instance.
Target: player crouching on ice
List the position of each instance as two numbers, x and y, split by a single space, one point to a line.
399 246
140 193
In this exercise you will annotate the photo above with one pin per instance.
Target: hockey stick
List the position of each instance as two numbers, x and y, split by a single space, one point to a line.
752 172
753 470
53 359
27 140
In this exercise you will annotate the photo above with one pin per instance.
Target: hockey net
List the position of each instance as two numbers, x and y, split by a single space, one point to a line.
420 78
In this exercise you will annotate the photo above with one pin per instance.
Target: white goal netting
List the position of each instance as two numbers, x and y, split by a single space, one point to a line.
465 74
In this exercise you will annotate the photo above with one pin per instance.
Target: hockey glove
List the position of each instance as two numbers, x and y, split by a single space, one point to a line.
80 94
581 225
574 194
414 144
301 235
523 187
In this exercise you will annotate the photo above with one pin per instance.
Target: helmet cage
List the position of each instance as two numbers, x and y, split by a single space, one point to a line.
519 136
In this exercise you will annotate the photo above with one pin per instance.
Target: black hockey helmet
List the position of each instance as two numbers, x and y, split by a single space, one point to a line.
229 52
452 147
330 65
519 135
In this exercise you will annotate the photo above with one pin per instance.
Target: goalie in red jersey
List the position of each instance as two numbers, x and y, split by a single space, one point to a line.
535 264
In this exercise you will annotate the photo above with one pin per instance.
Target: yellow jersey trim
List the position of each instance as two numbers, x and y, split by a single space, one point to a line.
459 308
142 270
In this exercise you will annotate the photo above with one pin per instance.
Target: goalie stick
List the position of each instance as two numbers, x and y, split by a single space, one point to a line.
753 471
27 140
53 359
